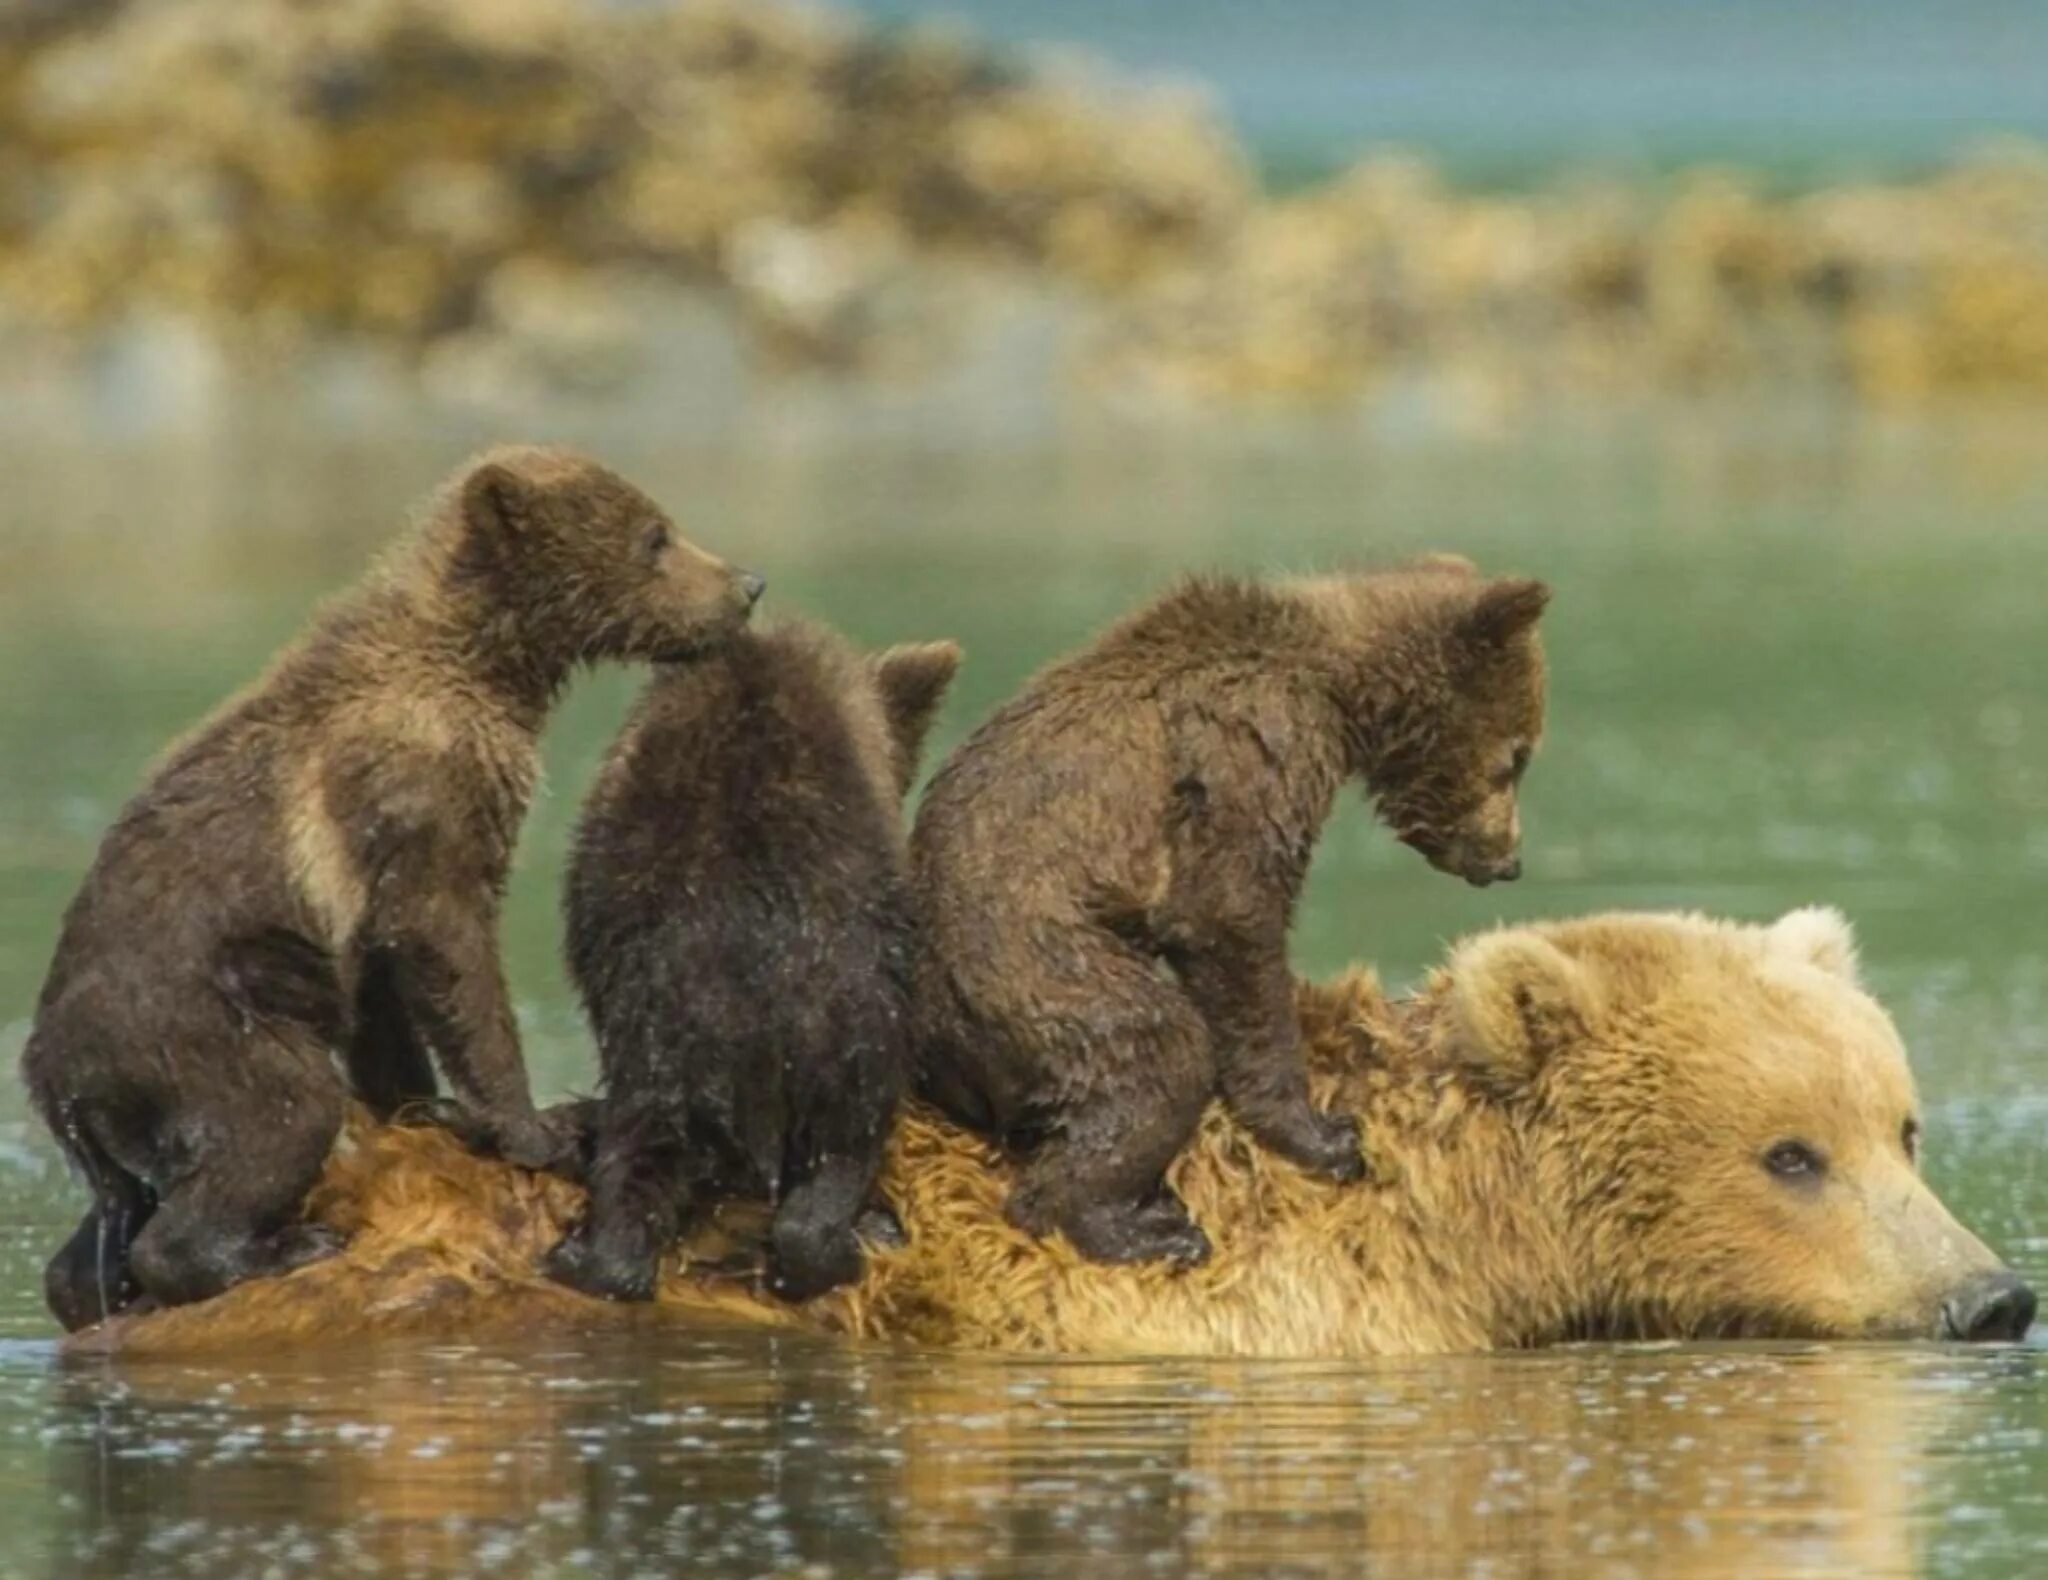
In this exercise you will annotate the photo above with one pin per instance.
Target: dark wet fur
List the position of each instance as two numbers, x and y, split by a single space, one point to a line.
302 901
1107 870
740 929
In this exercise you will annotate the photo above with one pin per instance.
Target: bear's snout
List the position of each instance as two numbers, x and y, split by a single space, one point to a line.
1992 1308
1498 872
752 585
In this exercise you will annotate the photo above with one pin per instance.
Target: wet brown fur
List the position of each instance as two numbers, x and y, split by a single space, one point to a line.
740 928
1109 867
310 881
1571 1117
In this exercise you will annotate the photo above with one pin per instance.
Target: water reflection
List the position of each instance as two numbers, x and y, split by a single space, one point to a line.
748 1455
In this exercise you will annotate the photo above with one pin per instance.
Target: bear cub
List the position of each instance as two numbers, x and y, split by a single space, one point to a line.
740 929
302 903
1107 870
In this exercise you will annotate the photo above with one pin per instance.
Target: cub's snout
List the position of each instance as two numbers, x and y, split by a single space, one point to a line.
1483 876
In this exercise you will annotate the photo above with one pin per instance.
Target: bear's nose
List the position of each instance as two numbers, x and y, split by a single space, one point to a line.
1994 1308
752 585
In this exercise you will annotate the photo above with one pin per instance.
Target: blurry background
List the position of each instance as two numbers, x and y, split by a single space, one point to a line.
1731 320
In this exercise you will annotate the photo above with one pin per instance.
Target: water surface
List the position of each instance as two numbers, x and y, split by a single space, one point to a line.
1795 660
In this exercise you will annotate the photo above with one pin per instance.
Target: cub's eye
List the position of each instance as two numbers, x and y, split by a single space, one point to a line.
1517 766
1909 1138
654 541
1796 1161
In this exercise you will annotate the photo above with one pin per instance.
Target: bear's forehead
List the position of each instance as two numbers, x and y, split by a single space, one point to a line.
1797 1039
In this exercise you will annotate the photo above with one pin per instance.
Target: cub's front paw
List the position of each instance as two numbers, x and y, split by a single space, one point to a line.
467 1125
1331 1145
556 1140
1159 1230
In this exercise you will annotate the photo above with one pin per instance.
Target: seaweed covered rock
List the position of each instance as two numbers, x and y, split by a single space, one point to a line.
281 171
1884 292
544 175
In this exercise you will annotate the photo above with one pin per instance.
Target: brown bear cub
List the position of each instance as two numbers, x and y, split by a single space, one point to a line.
740 928
1107 870
310 882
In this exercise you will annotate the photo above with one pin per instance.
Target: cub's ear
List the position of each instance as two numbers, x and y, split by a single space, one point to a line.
496 499
1505 609
1515 1000
912 679
1816 935
1445 563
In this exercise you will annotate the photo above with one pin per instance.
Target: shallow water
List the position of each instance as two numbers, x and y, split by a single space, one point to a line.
1794 661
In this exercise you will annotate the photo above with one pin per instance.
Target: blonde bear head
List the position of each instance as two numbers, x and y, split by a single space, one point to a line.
1725 1130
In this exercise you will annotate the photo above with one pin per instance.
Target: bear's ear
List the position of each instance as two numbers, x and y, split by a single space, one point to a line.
1504 610
1515 1000
912 679
1816 935
1445 563
496 499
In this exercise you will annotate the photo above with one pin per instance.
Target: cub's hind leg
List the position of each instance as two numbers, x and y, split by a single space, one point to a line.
1129 1061
247 1158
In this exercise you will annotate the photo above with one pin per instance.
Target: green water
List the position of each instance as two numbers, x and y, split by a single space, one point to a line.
1794 660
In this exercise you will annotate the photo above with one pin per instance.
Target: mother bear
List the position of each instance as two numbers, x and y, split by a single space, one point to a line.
1629 1126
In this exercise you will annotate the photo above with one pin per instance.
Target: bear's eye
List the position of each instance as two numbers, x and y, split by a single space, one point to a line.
1795 1160
654 541
1517 766
1909 1138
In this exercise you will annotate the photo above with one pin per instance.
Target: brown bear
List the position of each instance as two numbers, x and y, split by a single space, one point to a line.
1109 868
740 930
1625 1127
315 872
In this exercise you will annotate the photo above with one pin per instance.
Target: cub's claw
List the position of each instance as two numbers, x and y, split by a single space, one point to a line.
574 1265
879 1226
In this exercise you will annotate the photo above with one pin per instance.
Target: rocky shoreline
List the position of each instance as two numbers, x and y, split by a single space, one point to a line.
513 193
